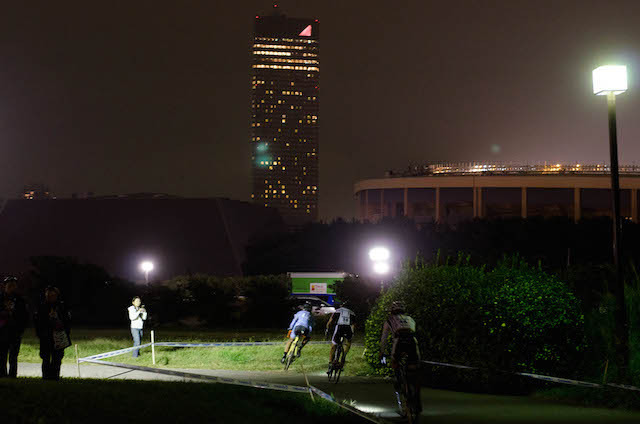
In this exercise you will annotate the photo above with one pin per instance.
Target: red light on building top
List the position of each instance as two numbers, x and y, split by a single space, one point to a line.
317 20
257 17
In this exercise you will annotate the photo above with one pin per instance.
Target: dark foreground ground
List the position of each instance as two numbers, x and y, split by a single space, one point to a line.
120 395
30 400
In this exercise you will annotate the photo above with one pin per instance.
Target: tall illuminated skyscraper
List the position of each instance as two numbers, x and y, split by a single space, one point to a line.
285 115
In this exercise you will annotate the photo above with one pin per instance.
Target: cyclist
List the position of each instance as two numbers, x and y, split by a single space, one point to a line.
402 329
344 321
302 322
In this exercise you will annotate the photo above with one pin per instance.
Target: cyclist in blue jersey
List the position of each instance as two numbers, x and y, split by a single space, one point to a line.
302 323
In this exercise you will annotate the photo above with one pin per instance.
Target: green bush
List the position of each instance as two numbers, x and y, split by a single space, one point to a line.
514 318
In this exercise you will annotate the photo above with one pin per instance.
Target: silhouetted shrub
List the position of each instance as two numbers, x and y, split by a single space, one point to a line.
514 317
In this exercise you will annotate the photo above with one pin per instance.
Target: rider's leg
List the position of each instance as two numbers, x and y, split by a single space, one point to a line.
346 346
332 352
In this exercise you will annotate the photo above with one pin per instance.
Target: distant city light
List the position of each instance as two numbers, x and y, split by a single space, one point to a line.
379 254
610 79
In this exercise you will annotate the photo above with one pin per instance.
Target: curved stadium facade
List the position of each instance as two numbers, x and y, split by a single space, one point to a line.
457 191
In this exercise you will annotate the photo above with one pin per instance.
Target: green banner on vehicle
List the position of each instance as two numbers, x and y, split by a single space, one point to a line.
315 282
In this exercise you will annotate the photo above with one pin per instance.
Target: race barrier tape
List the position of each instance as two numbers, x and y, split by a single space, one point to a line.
113 353
624 386
560 380
545 377
349 408
450 365
241 382
178 344
228 344
212 378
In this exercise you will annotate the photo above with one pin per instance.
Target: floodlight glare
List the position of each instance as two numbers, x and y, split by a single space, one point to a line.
378 254
146 266
381 267
610 79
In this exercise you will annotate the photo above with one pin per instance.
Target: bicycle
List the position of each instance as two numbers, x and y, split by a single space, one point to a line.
295 350
337 362
409 392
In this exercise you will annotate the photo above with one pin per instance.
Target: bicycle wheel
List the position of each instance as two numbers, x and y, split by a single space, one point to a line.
413 396
404 388
413 412
339 362
291 354
331 373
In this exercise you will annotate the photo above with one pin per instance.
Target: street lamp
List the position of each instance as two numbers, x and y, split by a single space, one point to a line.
379 256
146 267
381 268
611 80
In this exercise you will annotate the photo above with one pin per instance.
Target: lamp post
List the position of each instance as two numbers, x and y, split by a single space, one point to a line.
611 80
380 256
146 267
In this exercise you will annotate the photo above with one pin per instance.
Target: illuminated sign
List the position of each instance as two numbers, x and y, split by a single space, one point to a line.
318 288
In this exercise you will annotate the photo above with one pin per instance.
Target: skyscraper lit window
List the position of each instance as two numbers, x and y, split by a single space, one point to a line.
285 70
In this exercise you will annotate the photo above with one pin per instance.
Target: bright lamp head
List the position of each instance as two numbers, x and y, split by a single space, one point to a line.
378 254
381 268
610 79
146 266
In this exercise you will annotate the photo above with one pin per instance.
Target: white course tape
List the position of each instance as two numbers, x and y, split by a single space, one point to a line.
624 386
245 383
113 353
349 408
177 344
213 378
450 365
228 344
546 378
559 380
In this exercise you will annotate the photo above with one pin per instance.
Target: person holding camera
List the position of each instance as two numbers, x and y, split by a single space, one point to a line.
137 316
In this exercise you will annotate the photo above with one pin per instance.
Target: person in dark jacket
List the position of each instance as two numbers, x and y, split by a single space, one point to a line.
53 327
13 320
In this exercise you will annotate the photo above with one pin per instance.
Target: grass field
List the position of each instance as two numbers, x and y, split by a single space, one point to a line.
259 358
28 400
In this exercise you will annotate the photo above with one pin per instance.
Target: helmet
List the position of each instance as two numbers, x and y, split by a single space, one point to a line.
397 307
307 307
10 278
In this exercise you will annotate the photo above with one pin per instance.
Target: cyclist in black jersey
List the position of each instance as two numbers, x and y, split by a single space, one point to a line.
344 321
402 329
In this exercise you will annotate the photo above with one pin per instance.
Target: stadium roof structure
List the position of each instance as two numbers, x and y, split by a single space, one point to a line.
500 168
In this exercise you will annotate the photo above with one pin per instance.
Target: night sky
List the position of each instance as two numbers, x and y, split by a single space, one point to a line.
154 95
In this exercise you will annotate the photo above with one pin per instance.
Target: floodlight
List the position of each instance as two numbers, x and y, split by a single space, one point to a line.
381 267
610 79
378 254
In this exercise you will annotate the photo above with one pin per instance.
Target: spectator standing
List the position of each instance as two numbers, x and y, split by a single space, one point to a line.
13 320
53 327
137 316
